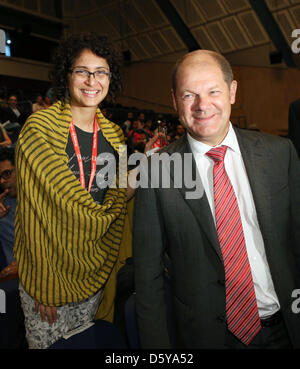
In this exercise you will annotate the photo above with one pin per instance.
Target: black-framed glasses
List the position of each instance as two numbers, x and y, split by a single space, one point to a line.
6 174
83 74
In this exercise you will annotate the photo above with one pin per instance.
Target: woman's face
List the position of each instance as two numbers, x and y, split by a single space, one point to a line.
87 90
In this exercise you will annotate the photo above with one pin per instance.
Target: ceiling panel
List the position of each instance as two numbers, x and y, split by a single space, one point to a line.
234 6
277 4
151 12
161 42
137 48
135 17
295 12
203 38
189 12
253 27
227 26
104 26
218 33
147 44
286 23
118 21
91 23
173 40
236 32
211 9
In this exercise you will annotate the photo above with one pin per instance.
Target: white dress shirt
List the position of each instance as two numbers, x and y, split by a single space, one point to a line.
266 297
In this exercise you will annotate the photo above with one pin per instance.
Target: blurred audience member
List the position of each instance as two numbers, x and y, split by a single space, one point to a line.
149 127
179 131
47 101
39 103
128 123
141 117
13 113
7 211
4 138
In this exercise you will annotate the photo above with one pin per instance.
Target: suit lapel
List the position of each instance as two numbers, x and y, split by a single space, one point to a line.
257 162
199 206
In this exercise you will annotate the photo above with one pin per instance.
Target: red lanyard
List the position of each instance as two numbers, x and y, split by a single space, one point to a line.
78 154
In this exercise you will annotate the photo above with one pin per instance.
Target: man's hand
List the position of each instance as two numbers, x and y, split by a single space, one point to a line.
3 210
49 312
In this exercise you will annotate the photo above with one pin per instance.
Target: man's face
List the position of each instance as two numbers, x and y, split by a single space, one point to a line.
203 99
13 101
8 178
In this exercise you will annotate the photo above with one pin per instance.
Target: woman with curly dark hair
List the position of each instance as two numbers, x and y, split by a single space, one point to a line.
69 50
68 227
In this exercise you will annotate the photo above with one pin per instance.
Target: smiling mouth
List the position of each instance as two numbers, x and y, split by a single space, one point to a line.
90 93
203 119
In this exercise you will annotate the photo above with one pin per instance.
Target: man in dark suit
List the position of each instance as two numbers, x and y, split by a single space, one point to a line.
231 254
294 124
14 113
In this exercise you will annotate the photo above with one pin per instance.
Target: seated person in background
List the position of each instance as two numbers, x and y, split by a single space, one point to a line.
47 101
4 138
7 211
12 329
39 103
127 125
179 131
13 113
137 137
141 117
149 127
138 132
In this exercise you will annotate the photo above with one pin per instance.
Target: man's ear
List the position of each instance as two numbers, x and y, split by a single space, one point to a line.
232 91
174 99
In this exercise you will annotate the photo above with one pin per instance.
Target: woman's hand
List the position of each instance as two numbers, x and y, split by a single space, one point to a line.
149 144
12 268
49 312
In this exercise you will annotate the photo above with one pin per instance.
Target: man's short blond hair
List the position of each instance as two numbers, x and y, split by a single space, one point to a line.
221 61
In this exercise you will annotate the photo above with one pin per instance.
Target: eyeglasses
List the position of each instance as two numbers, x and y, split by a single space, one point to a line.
82 74
6 174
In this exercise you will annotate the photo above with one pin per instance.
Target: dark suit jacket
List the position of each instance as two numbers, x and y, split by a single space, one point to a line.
167 226
9 114
294 124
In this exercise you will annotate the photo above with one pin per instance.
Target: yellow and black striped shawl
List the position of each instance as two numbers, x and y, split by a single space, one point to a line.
66 245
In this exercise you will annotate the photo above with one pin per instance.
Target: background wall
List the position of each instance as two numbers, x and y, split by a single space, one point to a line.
263 98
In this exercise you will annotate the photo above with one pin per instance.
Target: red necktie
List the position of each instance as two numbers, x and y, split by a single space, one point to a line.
241 306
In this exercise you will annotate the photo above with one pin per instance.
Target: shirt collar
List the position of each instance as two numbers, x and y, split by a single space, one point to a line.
230 140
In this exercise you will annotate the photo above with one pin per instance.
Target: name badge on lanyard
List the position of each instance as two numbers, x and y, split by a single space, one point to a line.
78 154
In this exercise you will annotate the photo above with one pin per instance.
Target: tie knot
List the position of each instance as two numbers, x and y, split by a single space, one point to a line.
217 153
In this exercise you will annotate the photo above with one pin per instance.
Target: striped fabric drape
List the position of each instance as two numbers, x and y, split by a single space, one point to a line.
66 245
